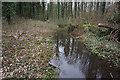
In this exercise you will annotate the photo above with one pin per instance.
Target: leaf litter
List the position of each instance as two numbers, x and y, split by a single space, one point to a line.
26 54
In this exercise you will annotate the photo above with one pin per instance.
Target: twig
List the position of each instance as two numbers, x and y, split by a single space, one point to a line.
111 75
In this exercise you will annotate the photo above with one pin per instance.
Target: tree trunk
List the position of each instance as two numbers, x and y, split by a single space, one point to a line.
8 17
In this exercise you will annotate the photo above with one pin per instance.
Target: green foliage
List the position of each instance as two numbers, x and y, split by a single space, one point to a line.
87 25
92 28
8 8
97 30
102 47
103 32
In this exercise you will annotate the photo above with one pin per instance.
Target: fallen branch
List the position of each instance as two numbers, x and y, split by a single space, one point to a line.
114 32
104 26
111 75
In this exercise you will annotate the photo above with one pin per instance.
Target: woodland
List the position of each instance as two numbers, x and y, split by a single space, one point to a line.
31 32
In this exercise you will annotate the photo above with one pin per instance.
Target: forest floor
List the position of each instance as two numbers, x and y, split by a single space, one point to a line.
27 49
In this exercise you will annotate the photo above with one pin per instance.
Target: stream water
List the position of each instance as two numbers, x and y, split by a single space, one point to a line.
75 61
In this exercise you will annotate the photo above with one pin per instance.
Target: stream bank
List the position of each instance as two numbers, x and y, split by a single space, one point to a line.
106 49
98 42
74 60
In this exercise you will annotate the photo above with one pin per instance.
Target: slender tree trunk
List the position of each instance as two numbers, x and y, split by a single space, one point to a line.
62 13
79 9
9 17
71 13
8 14
103 7
43 10
75 7
58 9
82 4
33 11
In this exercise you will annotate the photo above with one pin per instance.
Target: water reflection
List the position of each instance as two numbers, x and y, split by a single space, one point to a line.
75 61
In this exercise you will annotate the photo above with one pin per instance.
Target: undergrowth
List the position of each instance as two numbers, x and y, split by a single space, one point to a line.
95 39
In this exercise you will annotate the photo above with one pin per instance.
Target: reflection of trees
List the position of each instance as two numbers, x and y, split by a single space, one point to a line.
67 44
72 57
75 51
57 49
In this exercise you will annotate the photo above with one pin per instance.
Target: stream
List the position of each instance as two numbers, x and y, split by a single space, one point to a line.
75 61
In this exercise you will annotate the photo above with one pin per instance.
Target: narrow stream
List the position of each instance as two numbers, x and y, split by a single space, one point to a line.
75 61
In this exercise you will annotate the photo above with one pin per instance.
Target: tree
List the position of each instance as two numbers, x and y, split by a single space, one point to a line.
48 11
71 10
97 9
19 9
58 9
78 9
103 7
66 12
43 10
75 7
9 9
82 4
51 10
62 11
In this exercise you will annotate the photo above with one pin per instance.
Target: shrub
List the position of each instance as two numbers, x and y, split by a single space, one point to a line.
96 30
92 28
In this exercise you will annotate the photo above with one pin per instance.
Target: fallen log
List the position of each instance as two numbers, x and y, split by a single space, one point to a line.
105 26
53 64
114 32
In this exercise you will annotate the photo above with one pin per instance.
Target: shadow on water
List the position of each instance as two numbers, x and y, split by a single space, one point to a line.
75 61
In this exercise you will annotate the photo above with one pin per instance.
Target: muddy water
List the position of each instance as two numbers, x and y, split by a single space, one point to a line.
75 61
